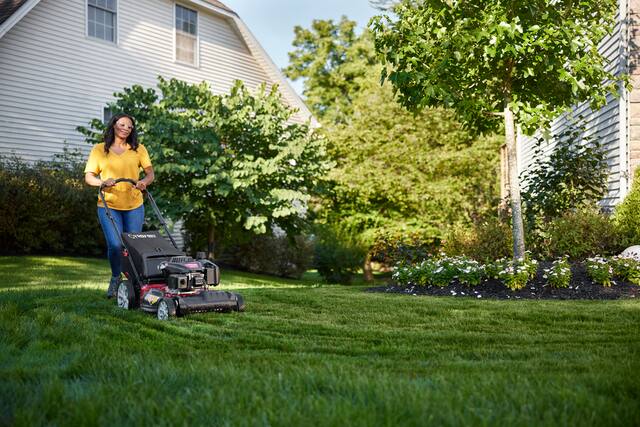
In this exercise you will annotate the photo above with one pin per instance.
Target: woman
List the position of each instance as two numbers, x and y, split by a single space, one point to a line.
119 156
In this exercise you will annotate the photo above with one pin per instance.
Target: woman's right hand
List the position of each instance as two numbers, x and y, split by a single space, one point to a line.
110 182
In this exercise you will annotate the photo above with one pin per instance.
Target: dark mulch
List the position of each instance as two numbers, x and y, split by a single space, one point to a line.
581 287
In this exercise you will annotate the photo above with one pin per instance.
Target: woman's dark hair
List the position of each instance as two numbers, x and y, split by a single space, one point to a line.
109 133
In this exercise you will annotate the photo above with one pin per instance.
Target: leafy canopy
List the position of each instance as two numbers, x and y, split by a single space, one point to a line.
228 161
474 56
396 173
332 59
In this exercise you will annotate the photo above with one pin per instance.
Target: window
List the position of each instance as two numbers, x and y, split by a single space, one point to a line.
101 16
186 35
107 113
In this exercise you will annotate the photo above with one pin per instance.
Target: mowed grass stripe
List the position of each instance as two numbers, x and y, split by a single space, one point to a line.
308 354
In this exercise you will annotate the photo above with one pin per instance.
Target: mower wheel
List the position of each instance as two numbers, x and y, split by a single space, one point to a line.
167 309
126 295
240 302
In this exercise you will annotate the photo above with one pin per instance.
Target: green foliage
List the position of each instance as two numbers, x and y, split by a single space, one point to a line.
573 176
230 162
515 274
559 274
626 215
398 175
579 234
337 255
272 254
46 208
402 247
599 270
334 62
627 269
487 240
440 272
537 57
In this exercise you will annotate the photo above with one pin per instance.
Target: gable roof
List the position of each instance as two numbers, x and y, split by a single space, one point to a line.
8 7
220 5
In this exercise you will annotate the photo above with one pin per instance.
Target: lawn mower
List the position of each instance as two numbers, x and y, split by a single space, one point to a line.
162 279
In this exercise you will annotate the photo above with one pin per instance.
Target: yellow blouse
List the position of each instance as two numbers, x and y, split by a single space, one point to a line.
122 196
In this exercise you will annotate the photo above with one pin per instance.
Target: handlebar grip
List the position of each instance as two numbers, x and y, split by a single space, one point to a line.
129 180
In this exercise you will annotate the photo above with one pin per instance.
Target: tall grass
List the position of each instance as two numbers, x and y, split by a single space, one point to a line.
308 354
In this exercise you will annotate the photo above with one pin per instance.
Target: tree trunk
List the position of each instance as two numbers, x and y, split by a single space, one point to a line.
367 271
211 242
514 182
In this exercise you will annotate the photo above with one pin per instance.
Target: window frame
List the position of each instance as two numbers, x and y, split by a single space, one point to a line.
196 64
116 35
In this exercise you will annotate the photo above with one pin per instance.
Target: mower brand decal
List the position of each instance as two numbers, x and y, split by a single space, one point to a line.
151 299
142 236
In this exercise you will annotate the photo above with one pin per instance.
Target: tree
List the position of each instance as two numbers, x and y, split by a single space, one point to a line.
522 60
227 162
397 174
333 60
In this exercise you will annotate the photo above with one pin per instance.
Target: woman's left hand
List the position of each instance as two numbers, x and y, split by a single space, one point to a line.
140 185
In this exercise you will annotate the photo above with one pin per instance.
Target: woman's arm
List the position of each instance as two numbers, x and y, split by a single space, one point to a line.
149 176
91 179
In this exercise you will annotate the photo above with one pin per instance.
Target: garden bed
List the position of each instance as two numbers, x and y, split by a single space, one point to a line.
580 287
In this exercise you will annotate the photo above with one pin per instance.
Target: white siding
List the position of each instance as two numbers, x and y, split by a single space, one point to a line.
603 124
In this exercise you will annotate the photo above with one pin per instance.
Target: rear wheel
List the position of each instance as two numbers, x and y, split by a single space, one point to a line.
166 309
240 302
126 295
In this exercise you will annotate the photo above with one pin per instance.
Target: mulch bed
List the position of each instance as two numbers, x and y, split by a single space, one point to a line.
581 287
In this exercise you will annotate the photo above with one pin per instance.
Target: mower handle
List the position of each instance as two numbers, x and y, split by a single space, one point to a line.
151 201
129 180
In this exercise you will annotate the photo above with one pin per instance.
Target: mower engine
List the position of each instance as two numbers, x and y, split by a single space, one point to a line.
185 274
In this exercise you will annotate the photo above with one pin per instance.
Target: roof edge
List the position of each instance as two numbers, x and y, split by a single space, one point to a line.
17 16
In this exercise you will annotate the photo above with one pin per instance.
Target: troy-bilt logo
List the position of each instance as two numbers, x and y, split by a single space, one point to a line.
142 236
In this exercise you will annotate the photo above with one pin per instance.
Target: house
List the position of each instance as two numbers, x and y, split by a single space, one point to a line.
62 60
617 124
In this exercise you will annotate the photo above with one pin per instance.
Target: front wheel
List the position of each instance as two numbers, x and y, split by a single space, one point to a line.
166 309
126 295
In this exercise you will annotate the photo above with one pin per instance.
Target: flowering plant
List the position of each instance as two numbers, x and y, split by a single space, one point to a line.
516 274
440 272
599 270
628 269
559 274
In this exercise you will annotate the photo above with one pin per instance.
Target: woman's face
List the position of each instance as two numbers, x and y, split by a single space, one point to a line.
123 127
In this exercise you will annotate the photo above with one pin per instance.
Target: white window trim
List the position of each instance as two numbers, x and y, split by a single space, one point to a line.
116 40
175 46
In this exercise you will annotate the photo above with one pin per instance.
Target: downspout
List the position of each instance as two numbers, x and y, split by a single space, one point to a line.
623 119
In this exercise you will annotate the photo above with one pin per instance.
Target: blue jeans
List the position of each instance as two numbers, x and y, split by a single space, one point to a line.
127 222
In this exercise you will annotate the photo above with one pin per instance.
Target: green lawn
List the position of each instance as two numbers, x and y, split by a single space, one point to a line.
308 354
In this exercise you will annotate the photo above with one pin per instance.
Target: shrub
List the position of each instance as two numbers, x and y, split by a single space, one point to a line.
337 256
626 269
574 175
599 270
579 234
486 241
626 217
45 207
272 254
440 272
515 274
559 274
392 248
